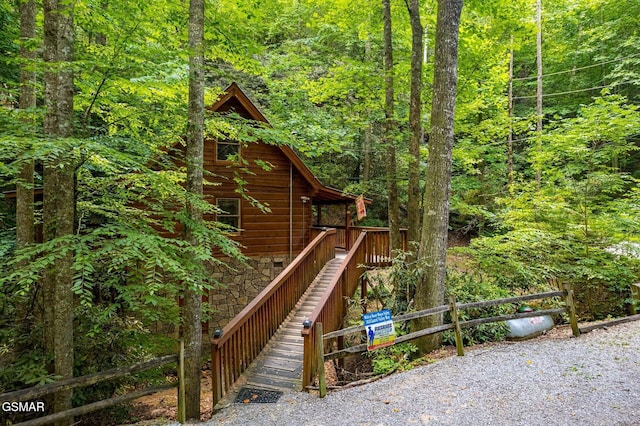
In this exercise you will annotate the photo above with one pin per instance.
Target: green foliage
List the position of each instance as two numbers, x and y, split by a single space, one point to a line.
106 339
393 288
404 275
534 260
315 67
130 107
378 290
522 259
9 35
393 358
474 287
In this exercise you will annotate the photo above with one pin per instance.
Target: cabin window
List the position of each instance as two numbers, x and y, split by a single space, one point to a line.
229 213
227 150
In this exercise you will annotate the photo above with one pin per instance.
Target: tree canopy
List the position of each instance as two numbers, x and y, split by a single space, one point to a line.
316 69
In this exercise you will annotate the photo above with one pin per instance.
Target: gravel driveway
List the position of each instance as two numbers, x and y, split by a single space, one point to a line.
592 380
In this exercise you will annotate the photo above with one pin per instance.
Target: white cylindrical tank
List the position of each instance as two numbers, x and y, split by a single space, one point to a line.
526 328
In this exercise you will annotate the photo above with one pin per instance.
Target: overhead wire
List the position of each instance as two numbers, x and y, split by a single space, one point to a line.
531 77
579 90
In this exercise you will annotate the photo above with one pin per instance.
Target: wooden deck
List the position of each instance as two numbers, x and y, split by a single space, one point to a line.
279 365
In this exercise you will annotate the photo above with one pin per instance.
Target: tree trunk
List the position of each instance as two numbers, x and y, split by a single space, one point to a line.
25 231
25 228
59 191
433 243
510 111
392 179
415 126
539 92
366 167
192 318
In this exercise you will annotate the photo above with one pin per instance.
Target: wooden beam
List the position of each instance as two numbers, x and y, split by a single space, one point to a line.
38 391
605 324
85 409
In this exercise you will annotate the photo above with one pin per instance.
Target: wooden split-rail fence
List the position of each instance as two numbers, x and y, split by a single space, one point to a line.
37 392
321 340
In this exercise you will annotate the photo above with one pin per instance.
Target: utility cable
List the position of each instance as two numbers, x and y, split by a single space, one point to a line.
545 95
577 69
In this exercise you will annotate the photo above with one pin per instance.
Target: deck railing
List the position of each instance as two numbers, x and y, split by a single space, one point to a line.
379 246
248 333
331 309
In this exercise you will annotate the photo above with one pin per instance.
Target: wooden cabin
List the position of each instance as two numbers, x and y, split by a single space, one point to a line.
290 190
270 240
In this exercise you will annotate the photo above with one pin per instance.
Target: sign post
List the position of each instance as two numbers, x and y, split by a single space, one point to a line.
380 329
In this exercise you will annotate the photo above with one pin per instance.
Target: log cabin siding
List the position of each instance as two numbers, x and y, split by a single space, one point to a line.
263 233
283 188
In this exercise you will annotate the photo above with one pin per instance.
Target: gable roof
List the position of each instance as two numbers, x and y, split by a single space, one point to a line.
322 194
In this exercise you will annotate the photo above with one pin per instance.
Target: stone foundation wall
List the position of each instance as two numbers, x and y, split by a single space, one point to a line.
241 283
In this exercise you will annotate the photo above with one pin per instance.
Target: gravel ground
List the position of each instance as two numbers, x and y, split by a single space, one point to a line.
592 380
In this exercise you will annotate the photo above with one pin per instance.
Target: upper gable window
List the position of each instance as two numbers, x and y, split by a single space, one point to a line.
227 150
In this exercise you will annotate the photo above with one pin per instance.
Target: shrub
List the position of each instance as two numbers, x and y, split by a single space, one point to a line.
474 287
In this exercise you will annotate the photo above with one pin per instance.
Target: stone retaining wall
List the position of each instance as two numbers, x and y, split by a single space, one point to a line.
240 285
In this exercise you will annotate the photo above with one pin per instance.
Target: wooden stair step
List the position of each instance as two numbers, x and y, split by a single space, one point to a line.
277 382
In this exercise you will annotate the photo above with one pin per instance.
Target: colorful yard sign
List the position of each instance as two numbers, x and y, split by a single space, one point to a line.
380 330
361 208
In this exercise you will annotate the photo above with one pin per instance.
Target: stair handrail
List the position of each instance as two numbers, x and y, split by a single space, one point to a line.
331 309
235 346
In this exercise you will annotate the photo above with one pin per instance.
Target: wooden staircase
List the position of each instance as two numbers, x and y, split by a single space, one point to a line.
279 365
265 345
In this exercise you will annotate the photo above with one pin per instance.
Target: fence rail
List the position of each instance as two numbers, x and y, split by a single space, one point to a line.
240 342
91 379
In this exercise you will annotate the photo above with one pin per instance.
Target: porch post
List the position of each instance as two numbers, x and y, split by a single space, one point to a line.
346 227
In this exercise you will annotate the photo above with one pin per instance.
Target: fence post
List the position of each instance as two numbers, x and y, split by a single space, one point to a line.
322 383
568 292
181 391
635 298
458 332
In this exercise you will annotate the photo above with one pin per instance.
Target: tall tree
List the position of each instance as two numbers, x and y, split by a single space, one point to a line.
59 191
389 127
192 315
415 126
24 187
510 111
366 162
433 243
539 90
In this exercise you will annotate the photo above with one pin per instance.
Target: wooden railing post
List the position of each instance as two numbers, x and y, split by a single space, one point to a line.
456 322
571 307
216 372
332 306
307 358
